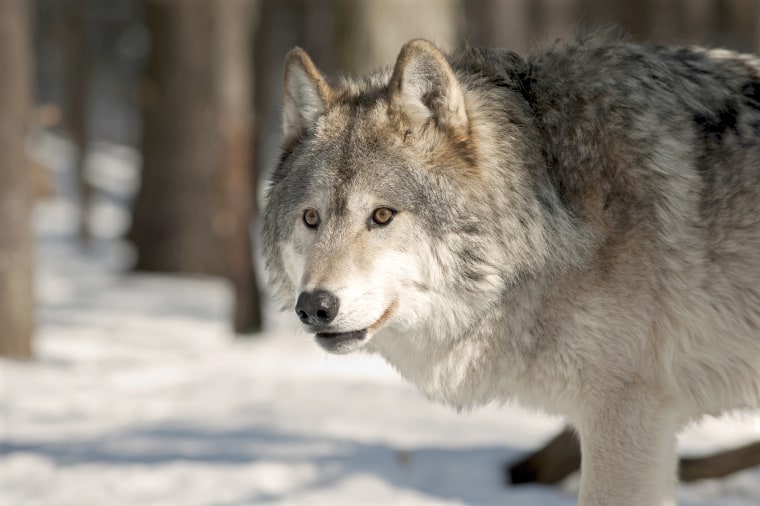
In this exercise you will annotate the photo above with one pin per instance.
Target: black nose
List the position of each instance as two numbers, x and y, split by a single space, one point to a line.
317 308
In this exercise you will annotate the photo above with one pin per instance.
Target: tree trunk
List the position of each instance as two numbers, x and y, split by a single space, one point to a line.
194 207
77 82
376 29
500 23
16 296
174 214
234 24
756 26
556 18
699 21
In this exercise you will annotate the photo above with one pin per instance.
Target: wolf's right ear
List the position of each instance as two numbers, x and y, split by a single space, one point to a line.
306 95
424 89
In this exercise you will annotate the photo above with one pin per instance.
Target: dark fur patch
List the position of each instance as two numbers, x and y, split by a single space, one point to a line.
714 124
288 146
692 61
368 98
751 93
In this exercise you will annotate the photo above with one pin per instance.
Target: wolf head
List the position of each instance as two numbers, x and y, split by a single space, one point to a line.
403 204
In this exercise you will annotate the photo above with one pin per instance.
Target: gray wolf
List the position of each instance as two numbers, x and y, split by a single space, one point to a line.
577 230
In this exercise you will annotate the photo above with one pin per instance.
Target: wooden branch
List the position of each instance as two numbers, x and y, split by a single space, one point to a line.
562 456
720 464
557 459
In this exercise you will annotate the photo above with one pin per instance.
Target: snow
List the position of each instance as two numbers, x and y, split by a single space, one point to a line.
140 394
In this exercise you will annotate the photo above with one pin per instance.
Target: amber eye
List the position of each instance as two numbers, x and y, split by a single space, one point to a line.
383 215
311 218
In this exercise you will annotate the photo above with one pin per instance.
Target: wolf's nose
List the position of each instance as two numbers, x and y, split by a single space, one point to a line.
317 308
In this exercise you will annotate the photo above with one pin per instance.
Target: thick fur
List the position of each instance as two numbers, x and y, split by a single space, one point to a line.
578 230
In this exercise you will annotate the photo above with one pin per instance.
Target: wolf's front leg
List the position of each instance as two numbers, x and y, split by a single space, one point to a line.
628 454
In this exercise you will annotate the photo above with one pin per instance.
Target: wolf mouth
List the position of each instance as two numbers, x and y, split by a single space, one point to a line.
341 342
343 336
344 342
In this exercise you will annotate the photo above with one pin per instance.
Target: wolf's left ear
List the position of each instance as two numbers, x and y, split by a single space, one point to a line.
424 88
306 95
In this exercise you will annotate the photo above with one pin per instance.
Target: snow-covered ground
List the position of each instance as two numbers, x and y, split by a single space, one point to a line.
141 395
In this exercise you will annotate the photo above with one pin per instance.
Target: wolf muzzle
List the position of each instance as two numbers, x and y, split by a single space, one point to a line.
317 310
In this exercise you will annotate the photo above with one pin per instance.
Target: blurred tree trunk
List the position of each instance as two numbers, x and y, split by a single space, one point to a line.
235 24
16 296
500 23
75 115
376 29
556 18
173 217
699 21
194 207
756 25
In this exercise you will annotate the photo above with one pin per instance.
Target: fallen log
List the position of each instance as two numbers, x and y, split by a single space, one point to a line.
720 464
557 459
561 456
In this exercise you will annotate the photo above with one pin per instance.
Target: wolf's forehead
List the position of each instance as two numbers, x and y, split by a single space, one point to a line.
355 141
356 120
356 168
352 173
356 151
376 181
